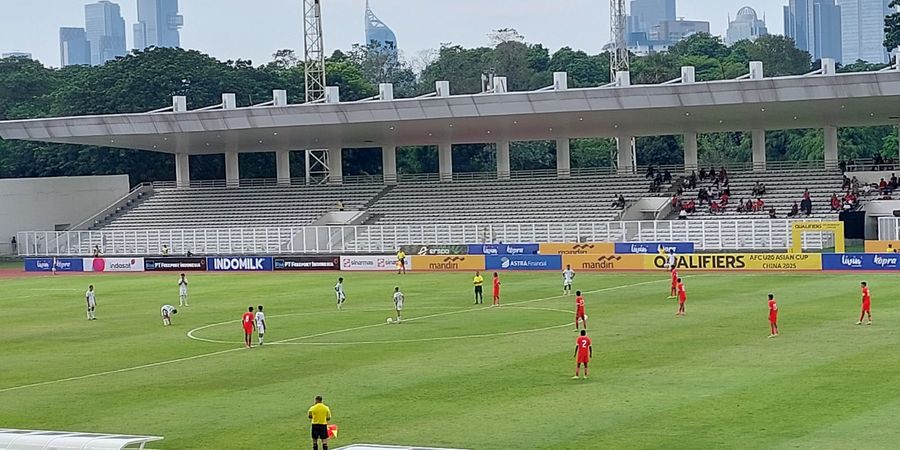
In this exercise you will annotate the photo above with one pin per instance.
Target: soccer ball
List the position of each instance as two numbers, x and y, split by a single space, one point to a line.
390 320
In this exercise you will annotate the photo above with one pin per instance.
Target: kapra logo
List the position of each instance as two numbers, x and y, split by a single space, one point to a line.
885 261
63 265
514 250
851 261
238 264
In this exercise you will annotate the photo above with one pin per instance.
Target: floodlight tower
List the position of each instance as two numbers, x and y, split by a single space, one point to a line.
618 56
313 50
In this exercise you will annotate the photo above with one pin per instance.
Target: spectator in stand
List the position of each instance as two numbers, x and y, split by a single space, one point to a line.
748 207
883 186
712 174
340 205
835 202
715 208
893 183
845 184
724 198
772 214
795 211
675 201
879 161
759 205
690 207
13 246
741 206
702 174
759 189
651 172
703 196
96 251
806 203
692 181
682 215
723 175
843 166
850 164
165 250
667 176
619 202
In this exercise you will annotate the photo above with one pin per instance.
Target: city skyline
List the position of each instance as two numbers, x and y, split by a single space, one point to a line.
231 29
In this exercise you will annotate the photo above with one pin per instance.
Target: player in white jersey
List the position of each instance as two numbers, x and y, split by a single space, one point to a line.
91 300
167 311
261 324
398 303
568 278
339 292
182 291
670 261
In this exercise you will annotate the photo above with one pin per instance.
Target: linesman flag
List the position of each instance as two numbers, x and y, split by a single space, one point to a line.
332 431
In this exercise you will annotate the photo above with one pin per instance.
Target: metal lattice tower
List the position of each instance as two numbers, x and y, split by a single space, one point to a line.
313 50
618 55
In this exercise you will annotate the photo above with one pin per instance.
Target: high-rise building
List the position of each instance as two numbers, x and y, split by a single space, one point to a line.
74 48
158 24
862 30
670 32
645 14
745 26
379 35
815 26
105 30
16 55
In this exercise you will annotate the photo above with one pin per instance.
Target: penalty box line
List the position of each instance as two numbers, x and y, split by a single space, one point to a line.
222 352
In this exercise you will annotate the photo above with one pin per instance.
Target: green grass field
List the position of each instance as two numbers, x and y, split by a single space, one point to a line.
453 374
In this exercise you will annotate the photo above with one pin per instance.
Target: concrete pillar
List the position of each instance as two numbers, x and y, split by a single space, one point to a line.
283 167
232 170
389 164
335 165
690 152
758 138
445 161
503 160
625 150
831 147
563 158
182 170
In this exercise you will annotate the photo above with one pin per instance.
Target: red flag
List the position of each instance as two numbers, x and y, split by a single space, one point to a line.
332 431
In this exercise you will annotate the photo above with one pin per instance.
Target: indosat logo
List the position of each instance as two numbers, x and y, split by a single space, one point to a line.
102 265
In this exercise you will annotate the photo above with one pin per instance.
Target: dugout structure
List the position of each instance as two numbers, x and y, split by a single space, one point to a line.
836 228
12 439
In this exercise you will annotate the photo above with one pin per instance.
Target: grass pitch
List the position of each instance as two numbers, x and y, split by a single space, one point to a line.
455 374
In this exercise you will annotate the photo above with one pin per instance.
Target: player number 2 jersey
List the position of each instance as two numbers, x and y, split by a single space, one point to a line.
584 345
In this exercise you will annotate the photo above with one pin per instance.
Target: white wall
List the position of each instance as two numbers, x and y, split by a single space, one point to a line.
40 204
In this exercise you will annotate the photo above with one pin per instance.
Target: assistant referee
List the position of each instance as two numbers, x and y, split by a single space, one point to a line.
478 281
319 415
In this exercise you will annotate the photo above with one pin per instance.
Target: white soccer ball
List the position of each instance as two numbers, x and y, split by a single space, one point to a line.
390 320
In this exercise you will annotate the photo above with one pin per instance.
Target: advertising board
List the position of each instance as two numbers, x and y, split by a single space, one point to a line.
741 261
861 261
113 264
435 250
48 264
174 264
239 263
584 248
503 249
307 263
448 263
372 263
652 248
882 246
523 262
604 263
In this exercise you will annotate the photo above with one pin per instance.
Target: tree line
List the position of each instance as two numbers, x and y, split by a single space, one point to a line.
146 80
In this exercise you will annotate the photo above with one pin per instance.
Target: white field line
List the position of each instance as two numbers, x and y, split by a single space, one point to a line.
222 352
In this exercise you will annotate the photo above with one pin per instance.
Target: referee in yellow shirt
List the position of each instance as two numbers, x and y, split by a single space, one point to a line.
478 281
319 415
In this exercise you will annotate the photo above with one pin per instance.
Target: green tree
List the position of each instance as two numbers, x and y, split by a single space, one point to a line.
779 55
892 27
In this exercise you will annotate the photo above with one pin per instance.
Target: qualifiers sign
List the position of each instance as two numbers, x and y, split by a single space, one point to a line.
113 264
423 250
503 249
603 263
448 263
523 262
372 263
307 263
239 263
742 261
652 248
587 248
49 264
174 264
861 261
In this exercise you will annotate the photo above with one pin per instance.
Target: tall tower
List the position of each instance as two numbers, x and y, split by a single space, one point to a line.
158 24
313 50
619 53
105 30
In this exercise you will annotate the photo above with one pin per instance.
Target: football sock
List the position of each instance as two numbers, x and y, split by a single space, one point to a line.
324 446
315 446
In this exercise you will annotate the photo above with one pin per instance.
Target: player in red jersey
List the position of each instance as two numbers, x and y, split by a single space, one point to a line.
247 321
579 310
496 290
674 291
866 304
682 296
773 315
583 353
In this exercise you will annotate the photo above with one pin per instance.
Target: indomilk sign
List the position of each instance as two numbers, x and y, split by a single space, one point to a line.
239 263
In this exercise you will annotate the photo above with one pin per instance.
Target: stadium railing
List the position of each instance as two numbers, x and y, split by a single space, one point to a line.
889 228
708 235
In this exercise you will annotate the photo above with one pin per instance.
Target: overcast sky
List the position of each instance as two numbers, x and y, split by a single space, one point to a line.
254 29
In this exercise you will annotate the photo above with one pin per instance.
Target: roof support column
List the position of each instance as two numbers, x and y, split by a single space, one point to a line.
831 147
232 170
690 152
335 165
625 157
445 161
389 164
182 170
758 139
503 160
563 158
283 167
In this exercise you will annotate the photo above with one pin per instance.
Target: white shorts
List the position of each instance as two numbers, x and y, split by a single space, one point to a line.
398 306
183 293
92 304
260 329
341 297
567 283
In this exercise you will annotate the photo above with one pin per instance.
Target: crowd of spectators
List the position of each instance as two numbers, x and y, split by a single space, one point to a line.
658 178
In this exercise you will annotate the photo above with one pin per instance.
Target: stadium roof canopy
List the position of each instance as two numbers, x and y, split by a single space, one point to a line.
64 440
619 110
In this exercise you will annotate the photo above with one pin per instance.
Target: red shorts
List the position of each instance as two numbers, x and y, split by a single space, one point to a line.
773 318
579 314
682 300
248 329
496 293
867 307
583 358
